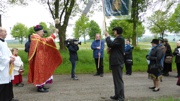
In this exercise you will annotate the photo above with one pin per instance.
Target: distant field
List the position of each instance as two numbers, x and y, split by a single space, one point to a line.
142 45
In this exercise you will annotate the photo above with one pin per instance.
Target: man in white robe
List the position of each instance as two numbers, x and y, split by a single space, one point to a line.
6 74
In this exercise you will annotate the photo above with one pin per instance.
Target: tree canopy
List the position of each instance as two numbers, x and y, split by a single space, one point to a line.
127 26
174 21
19 32
93 29
81 27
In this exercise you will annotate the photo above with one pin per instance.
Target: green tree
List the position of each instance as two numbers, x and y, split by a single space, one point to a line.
19 32
141 6
93 29
174 21
45 28
81 27
51 28
158 23
127 26
31 30
138 6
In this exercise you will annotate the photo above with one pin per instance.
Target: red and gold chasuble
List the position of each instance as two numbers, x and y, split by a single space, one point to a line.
43 58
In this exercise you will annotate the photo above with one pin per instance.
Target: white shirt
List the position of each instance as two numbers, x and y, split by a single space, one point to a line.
5 54
17 64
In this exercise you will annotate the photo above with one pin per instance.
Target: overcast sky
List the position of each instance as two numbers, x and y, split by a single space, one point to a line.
35 13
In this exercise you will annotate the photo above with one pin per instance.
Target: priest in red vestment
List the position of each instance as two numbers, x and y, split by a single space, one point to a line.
43 58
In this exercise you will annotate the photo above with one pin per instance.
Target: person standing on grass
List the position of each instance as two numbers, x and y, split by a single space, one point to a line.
116 60
176 53
27 44
18 69
128 57
98 53
43 58
167 66
6 69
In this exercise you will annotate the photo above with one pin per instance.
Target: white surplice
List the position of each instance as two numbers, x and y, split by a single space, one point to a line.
5 54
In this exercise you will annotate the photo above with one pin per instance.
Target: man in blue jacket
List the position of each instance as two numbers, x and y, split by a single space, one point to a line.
98 53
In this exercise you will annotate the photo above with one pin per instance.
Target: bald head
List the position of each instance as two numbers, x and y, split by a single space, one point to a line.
3 33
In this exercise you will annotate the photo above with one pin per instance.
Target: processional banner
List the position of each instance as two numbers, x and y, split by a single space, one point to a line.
117 8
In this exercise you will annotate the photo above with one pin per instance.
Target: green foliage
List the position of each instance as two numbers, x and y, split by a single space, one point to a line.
19 31
43 24
127 26
93 29
51 28
30 31
86 64
174 21
158 22
137 48
81 27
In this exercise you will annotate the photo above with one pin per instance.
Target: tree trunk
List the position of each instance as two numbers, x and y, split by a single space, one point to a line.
62 37
84 38
135 19
62 26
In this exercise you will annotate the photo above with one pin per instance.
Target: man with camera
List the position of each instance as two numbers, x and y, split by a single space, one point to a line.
73 47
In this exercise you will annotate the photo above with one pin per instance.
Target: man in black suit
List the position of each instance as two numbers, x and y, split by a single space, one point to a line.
116 50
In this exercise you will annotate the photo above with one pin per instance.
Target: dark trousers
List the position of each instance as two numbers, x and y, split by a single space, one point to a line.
128 68
118 81
178 69
6 92
99 70
167 68
73 69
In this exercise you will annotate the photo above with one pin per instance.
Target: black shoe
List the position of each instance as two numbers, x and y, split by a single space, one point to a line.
101 75
46 88
20 85
14 99
152 87
165 74
156 89
114 97
96 74
42 90
128 74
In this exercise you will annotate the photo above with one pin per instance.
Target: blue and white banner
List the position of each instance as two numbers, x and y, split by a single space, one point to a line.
117 7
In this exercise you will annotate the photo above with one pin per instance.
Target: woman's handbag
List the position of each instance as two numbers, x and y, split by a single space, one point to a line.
168 59
155 68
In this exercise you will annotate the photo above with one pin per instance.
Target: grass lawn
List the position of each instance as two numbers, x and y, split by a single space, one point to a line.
86 62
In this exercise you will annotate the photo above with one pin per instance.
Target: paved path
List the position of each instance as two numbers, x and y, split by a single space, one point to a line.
95 88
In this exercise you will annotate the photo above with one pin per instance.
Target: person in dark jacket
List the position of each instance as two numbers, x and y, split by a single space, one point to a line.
155 66
98 53
167 66
177 59
116 60
128 57
27 44
73 48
